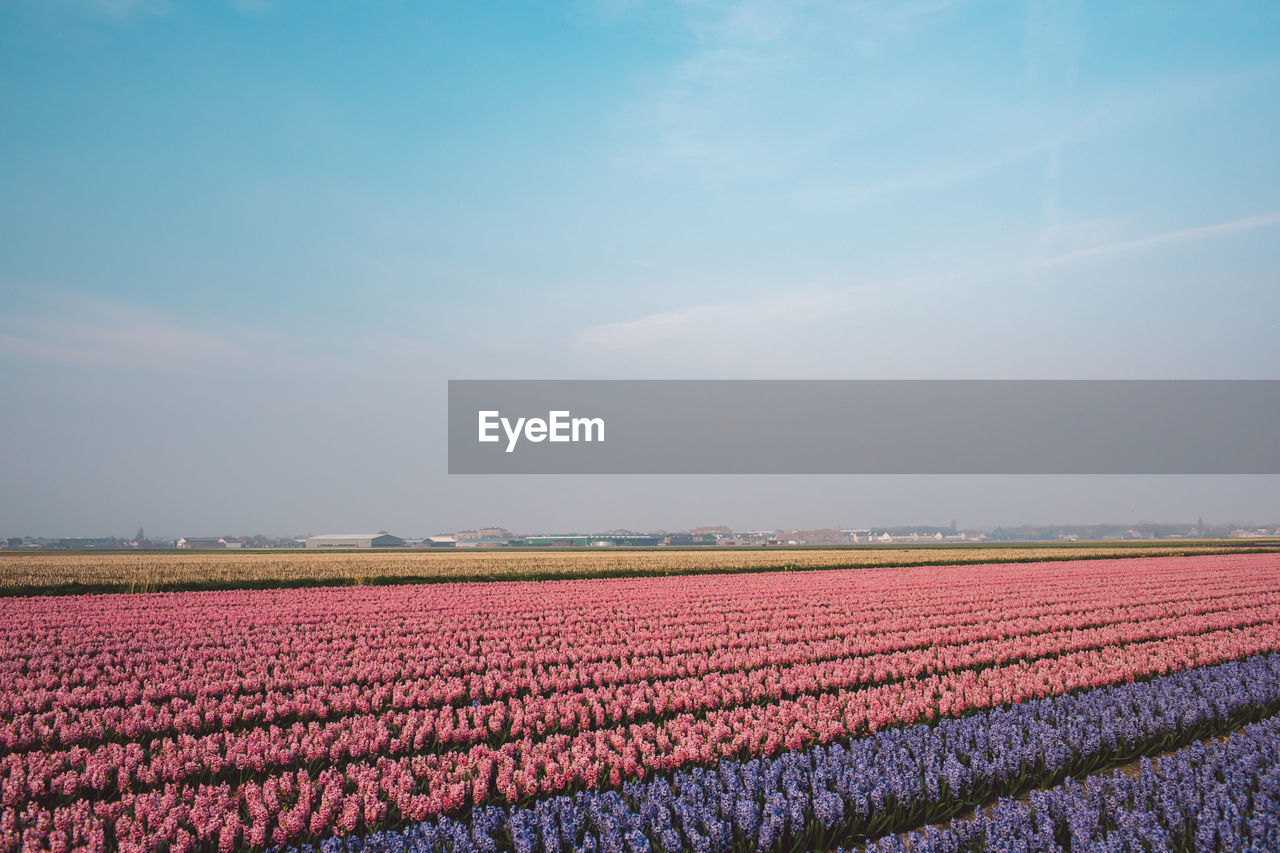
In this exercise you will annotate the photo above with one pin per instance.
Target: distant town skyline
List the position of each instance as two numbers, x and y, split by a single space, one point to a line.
692 535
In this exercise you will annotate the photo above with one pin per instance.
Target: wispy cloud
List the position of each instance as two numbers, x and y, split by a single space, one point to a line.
725 319
1182 235
91 332
939 177
77 330
1052 43
728 106
641 332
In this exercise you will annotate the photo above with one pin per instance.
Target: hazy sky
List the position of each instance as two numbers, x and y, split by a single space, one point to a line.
243 245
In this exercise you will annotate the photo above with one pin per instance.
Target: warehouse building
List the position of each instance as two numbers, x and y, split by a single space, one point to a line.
575 540
201 543
355 540
568 541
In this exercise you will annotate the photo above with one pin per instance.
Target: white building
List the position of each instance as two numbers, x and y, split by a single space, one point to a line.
202 543
354 540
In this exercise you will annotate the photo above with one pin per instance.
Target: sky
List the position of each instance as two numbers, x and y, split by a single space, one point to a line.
244 245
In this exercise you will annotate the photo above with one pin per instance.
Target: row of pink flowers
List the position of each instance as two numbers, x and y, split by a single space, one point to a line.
115 767
426 669
642 677
237 638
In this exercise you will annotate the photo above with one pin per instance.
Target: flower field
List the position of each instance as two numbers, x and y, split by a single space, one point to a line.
718 712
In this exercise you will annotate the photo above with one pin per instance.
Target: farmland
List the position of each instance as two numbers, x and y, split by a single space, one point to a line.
151 571
770 710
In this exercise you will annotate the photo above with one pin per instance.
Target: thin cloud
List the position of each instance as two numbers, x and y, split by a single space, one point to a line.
712 108
103 335
1049 137
639 333
726 319
1183 235
940 178
77 330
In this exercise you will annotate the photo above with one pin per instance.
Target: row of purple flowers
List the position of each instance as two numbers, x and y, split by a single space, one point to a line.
824 796
1215 796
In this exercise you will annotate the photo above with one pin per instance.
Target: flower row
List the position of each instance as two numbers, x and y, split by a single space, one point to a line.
116 653
419 679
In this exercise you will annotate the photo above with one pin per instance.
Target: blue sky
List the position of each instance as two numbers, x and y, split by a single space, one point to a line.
239 239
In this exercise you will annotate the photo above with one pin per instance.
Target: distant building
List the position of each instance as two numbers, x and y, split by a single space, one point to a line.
634 540
1244 533
578 540
822 536
202 543
440 542
354 540
566 541
685 539
484 534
